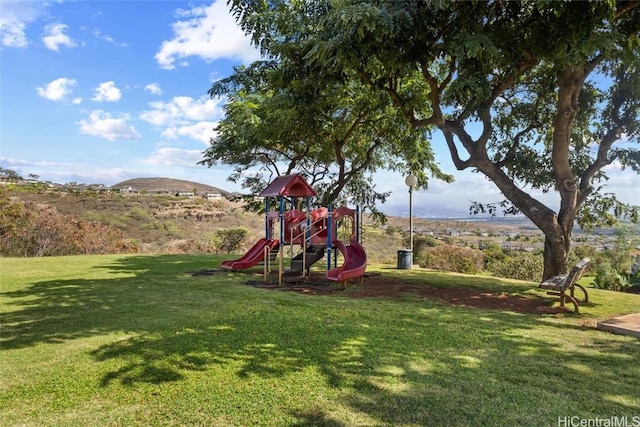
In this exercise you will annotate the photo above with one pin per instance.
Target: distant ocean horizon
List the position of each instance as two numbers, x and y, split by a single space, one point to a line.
475 218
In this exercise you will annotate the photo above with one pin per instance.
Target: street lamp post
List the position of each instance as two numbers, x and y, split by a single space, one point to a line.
411 182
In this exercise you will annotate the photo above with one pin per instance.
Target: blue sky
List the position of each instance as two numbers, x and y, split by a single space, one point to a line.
104 91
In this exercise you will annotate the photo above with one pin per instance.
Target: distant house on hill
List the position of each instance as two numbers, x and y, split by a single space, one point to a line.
213 196
185 194
127 190
452 232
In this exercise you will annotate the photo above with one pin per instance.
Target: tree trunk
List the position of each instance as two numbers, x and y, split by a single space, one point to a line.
556 253
556 228
558 235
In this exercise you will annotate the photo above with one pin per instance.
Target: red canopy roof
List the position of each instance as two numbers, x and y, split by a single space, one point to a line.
289 185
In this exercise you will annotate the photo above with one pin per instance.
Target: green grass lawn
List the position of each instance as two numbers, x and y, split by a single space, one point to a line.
136 340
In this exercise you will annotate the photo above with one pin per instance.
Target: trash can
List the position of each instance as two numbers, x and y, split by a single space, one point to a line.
405 259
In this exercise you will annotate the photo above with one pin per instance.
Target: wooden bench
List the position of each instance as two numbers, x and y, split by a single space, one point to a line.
559 285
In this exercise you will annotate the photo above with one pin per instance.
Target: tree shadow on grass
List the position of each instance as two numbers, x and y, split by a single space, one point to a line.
54 311
396 362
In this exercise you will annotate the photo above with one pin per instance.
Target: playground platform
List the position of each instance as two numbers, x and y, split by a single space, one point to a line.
629 324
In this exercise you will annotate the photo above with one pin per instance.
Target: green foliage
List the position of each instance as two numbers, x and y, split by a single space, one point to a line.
531 94
167 227
429 241
139 214
493 253
231 239
393 229
614 264
517 265
452 258
609 278
421 244
584 251
111 218
619 254
281 118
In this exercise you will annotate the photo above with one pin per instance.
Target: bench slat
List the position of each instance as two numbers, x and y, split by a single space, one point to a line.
556 282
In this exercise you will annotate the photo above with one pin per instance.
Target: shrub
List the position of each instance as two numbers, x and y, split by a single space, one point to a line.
421 244
518 265
139 214
614 264
493 253
452 258
28 229
231 239
583 251
392 229
608 278
95 238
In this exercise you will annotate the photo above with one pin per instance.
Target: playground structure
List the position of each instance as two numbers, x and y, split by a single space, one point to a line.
316 232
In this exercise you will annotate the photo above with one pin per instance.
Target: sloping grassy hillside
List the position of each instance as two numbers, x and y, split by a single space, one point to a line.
157 223
161 224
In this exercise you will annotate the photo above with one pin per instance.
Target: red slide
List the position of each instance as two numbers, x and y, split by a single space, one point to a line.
253 256
355 262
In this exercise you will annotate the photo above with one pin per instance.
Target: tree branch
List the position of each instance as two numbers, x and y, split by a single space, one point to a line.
624 7
399 103
510 154
453 149
602 158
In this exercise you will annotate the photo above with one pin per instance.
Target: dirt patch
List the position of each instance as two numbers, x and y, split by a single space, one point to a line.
379 286
385 287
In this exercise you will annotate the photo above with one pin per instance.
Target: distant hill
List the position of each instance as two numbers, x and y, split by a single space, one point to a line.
169 184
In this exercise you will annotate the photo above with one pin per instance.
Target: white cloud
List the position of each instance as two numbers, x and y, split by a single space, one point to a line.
15 16
107 91
58 89
182 110
54 37
98 34
154 88
209 32
201 131
156 117
103 125
13 33
175 157
184 116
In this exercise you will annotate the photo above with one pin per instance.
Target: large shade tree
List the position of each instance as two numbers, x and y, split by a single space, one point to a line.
337 135
531 94
280 118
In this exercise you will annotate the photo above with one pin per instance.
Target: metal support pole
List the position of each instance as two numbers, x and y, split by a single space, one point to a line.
358 225
329 236
281 221
411 182
411 222
267 235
